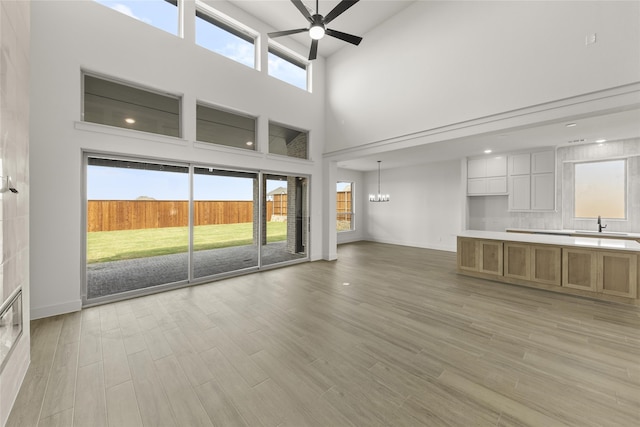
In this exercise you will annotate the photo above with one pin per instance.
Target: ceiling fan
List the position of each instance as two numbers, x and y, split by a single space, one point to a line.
318 27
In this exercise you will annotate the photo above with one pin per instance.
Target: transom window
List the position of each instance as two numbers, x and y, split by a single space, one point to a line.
161 14
286 67
600 189
222 35
115 104
287 142
225 128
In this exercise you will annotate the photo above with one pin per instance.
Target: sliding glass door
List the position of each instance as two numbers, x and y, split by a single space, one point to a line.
152 224
285 219
137 219
224 221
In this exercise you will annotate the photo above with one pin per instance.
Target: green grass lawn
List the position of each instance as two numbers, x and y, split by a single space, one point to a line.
105 246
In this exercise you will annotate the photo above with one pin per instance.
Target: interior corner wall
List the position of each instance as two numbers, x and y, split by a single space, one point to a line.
358 197
441 63
70 36
425 209
14 207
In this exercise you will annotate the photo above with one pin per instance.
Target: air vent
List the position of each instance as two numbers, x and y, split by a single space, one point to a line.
576 141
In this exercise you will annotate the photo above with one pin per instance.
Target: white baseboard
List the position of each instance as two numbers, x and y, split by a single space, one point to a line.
54 310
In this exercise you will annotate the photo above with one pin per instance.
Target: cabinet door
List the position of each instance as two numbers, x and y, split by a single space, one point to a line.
490 257
520 194
476 168
517 258
520 164
617 274
477 186
467 254
546 265
496 166
496 185
579 269
543 162
543 191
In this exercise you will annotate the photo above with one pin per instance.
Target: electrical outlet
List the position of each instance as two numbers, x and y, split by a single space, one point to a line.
590 39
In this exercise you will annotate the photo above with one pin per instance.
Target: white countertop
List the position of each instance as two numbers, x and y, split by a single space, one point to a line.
611 234
559 240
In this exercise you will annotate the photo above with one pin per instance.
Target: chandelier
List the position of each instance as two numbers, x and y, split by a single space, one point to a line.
379 197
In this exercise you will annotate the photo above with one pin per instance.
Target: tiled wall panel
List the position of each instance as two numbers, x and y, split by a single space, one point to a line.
14 161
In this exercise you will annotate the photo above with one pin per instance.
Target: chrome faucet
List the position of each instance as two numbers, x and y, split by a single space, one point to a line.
600 226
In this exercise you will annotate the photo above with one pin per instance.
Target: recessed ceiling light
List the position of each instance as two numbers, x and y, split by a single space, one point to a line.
487 151
601 140
570 125
130 120
249 143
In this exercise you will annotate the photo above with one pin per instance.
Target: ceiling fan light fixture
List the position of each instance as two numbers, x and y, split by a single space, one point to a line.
316 32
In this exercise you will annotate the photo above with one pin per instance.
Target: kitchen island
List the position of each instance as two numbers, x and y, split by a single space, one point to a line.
602 268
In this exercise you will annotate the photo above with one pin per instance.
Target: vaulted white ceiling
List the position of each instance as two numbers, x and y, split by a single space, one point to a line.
358 20
363 18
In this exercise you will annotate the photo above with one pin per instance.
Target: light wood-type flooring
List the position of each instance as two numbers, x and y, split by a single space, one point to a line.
387 335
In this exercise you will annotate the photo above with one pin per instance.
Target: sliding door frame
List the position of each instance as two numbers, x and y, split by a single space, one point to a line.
190 165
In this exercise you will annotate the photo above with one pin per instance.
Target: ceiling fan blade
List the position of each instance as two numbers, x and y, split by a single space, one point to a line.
313 53
303 9
287 32
338 10
344 36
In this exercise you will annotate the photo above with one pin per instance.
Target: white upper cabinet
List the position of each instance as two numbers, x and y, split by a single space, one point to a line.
496 166
520 194
520 164
532 181
487 175
476 168
543 162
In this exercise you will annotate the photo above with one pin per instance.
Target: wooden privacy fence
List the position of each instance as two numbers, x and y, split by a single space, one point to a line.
111 215
344 207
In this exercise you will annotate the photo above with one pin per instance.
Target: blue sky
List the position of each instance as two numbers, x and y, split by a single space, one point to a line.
109 183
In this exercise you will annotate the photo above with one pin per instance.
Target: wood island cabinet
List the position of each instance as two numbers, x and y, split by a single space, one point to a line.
579 269
535 263
606 272
617 274
546 264
517 260
603 273
484 256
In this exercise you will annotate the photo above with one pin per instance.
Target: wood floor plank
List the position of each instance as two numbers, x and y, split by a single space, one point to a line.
60 419
218 405
90 408
122 406
61 387
116 364
45 334
152 400
187 409
408 343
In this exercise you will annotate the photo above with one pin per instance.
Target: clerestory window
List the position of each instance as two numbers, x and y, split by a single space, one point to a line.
225 36
161 14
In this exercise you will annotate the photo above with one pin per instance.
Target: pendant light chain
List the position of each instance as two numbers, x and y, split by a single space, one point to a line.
379 197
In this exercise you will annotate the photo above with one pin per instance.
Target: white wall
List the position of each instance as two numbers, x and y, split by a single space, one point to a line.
358 199
68 37
439 63
425 209
14 208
